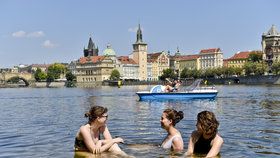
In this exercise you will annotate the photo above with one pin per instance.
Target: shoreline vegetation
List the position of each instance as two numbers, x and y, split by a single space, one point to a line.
245 80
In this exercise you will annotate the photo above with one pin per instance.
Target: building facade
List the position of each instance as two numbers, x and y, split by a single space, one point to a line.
158 62
211 58
240 58
271 46
128 68
93 69
190 62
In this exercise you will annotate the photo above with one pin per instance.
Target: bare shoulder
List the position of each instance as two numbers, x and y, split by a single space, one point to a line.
84 128
218 139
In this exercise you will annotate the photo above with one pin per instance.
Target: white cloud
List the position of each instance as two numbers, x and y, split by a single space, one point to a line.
48 44
21 34
36 34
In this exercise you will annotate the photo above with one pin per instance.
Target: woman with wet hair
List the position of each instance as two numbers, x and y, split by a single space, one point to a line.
88 137
173 140
205 140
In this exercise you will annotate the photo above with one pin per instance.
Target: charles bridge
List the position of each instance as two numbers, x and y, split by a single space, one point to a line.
27 78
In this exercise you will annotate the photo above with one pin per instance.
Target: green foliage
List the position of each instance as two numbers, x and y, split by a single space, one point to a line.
70 76
115 75
275 68
167 73
185 73
54 71
254 68
255 57
39 75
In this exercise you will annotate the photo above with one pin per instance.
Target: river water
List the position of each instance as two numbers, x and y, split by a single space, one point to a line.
43 122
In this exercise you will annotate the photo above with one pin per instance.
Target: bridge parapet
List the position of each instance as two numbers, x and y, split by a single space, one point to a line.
26 77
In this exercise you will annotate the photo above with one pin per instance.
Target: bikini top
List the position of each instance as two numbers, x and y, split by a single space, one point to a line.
168 143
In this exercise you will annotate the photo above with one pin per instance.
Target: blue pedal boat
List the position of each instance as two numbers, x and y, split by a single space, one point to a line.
192 92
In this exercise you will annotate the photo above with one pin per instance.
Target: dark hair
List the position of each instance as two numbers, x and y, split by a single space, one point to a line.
208 122
94 112
175 116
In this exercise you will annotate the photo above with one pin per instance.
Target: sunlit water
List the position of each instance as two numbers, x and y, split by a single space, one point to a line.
43 122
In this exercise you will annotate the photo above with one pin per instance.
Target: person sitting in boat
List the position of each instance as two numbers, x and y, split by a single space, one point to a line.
205 140
173 140
172 86
88 137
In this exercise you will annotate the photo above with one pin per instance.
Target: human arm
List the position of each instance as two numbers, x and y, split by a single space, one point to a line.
194 137
216 147
93 147
106 133
177 144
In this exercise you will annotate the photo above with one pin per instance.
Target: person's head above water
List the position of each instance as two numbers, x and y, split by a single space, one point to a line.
207 123
96 112
173 115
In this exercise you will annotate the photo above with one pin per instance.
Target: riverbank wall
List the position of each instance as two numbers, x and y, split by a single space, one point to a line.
247 80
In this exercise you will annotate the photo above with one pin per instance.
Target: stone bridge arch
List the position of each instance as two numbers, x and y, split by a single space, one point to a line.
27 78
19 78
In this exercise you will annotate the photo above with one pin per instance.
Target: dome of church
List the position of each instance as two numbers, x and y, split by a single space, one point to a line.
109 51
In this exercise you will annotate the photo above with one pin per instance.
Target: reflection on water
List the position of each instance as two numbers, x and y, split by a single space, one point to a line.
43 122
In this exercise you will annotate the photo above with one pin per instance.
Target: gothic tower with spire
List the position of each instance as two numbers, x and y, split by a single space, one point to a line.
140 55
91 50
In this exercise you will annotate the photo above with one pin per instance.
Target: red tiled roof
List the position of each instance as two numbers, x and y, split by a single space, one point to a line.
93 59
187 57
243 55
154 55
126 60
211 50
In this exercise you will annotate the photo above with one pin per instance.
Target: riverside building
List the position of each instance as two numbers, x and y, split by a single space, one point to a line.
271 46
211 58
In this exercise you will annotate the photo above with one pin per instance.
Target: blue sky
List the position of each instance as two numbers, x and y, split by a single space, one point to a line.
48 31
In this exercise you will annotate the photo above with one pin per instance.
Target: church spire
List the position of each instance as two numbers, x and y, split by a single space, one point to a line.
139 35
91 45
91 49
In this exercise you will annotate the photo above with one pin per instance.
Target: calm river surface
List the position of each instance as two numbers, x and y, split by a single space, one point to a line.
43 122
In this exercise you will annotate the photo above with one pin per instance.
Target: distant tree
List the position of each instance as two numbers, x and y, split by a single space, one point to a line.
229 71
254 68
70 76
219 71
167 73
238 71
39 75
185 73
115 75
261 68
208 73
249 68
275 68
54 71
255 57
